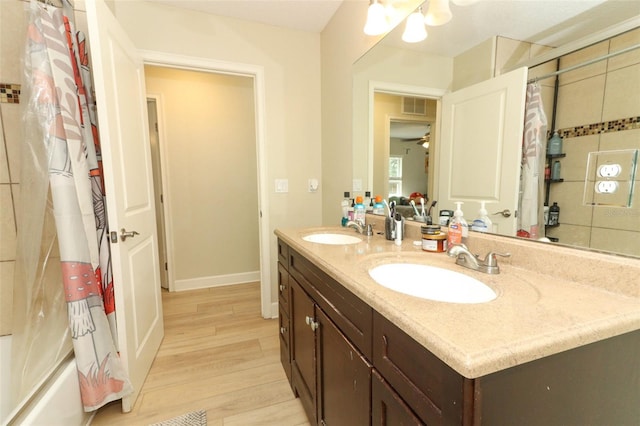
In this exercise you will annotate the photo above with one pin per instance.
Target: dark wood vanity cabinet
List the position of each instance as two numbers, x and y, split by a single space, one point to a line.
351 366
329 373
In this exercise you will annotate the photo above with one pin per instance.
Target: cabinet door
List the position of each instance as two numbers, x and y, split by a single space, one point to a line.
303 356
285 353
387 406
344 377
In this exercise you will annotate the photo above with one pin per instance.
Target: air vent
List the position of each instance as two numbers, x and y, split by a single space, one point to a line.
414 106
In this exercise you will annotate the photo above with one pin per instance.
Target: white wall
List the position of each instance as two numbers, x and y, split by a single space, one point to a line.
291 63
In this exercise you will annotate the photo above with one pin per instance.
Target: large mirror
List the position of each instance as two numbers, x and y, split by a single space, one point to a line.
583 102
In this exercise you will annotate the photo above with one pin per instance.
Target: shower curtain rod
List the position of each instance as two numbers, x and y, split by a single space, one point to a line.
584 64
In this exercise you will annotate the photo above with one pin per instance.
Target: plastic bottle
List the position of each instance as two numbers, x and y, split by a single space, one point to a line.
458 227
482 223
368 202
378 207
344 204
555 170
554 214
554 147
359 211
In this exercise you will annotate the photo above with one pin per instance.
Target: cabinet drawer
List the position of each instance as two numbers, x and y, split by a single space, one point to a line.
283 252
352 316
431 388
283 287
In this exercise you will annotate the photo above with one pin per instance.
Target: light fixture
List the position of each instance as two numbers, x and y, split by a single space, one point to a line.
438 13
376 19
463 2
415 30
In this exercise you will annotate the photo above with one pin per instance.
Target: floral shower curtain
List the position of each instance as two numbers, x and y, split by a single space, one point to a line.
530 222
60 102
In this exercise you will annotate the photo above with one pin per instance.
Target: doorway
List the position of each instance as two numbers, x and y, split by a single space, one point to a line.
207 176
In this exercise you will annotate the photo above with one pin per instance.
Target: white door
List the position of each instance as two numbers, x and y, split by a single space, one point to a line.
481 147
122 117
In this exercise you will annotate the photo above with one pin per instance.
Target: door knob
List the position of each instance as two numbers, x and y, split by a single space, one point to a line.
505 213
124 234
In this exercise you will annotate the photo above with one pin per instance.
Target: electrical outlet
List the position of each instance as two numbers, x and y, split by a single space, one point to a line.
606 186
609 170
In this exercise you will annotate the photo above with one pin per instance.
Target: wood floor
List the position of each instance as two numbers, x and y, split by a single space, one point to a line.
218 355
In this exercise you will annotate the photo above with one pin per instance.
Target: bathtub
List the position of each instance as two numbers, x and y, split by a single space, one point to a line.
57 402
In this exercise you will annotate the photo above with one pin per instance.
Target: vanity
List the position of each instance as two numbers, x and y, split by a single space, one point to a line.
555 346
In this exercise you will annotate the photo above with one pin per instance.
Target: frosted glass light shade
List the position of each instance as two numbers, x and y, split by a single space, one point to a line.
414 30
438 13
463 2
376 20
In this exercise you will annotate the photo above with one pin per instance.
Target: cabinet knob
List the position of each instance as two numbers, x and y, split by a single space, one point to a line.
282 287
314 325
283 330
308 320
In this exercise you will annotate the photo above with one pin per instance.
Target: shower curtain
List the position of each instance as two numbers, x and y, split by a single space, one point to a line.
530 219
60 106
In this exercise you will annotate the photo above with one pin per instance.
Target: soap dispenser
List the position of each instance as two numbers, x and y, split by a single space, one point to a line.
359 212
458 227
554 147
482 223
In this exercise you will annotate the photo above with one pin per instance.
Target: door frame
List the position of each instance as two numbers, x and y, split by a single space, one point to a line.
256 72
400 89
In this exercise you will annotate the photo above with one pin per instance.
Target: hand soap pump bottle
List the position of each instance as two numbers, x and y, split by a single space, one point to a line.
458 227
482 223
345 209
378 207
359 212
554 147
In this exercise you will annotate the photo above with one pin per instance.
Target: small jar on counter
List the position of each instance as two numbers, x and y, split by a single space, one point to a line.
433 239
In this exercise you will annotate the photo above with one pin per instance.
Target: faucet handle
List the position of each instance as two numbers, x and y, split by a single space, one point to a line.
490 259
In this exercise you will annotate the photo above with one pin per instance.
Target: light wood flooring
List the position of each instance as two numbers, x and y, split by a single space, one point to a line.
220 355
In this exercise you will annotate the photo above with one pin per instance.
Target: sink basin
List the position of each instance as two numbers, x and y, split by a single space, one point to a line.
336 239
433 283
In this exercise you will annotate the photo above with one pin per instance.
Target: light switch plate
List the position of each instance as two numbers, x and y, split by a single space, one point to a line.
313 185
282 185
610 178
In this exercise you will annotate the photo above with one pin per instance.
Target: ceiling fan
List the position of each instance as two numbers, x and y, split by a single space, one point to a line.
423 140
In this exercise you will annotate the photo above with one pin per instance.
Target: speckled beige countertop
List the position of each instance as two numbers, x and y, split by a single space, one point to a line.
550 299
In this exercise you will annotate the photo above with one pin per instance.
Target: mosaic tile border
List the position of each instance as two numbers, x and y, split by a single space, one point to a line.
599 128
9 93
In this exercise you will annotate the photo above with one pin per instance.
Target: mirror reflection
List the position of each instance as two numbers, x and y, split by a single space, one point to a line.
595 108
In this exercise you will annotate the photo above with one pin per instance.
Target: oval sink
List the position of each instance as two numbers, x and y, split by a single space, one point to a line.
336 239
430 282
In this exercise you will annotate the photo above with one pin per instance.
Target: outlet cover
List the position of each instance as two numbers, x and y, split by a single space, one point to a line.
611 177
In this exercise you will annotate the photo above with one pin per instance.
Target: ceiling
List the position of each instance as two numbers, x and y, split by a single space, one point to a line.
547 22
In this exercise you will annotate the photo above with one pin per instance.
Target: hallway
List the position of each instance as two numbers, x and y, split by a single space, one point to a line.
220 355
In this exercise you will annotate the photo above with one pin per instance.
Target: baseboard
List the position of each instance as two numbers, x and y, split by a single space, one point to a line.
216 281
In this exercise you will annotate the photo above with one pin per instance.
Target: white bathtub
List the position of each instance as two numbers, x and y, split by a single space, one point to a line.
56 403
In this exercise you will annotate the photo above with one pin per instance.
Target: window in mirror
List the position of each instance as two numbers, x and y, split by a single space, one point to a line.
395 176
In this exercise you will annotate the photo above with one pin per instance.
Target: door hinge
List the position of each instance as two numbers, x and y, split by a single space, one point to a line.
156 124
166 266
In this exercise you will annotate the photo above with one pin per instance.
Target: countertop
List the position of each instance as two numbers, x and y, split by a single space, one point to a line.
536 313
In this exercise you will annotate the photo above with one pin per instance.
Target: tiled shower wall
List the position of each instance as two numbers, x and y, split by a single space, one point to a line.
598 109
12 36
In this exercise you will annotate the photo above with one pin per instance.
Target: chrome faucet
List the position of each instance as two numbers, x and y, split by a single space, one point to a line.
353 224
464 257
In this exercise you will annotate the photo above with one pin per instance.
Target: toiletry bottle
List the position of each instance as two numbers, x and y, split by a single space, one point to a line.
554 214
458 227
368 202
482 223
398 223
554 146
351 209
344 205
378 207
359 211
555 170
